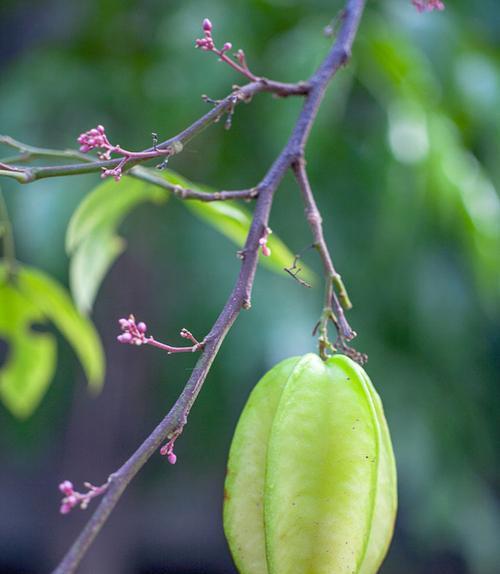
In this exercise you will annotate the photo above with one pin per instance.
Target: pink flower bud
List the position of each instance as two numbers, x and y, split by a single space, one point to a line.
265 250
207 25
141 327
125 338
100 129
428 5
124 323
65 508
172 458
227 46
66 487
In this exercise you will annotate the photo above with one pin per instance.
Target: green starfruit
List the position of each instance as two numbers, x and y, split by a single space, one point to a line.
311 484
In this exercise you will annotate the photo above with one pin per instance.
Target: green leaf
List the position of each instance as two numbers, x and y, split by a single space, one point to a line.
55 304
90 263
31 357
233 221
91 239
32 297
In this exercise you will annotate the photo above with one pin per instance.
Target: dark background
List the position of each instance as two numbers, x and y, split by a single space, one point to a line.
404 162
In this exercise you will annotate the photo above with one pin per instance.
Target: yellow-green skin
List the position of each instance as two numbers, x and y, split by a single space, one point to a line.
311 484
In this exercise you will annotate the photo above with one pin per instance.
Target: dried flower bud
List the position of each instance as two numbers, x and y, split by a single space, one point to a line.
265 250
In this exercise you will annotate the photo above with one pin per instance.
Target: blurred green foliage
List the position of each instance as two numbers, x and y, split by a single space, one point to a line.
404 162
91 238
29 298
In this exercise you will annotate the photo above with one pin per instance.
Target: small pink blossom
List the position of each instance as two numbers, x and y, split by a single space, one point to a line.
168 449
207 44
125 337
72 498
428 5
94 138
66 487
132 333
115 173
266 250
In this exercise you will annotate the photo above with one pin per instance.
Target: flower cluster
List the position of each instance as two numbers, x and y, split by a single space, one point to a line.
132 333
266 251
207 43
428 5
73 498
95 138
168 450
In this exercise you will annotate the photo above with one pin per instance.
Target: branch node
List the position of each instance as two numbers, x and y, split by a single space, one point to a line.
72 498
345 56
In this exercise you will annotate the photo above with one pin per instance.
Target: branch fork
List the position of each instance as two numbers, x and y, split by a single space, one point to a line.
133 332
73 498
96 138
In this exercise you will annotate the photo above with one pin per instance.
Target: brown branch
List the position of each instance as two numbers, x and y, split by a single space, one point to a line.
28 153
191 194
174 144
239 298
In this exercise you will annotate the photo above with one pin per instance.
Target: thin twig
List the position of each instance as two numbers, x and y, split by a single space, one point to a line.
294 269
26 174
240 296
336 297
29 153
191 194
